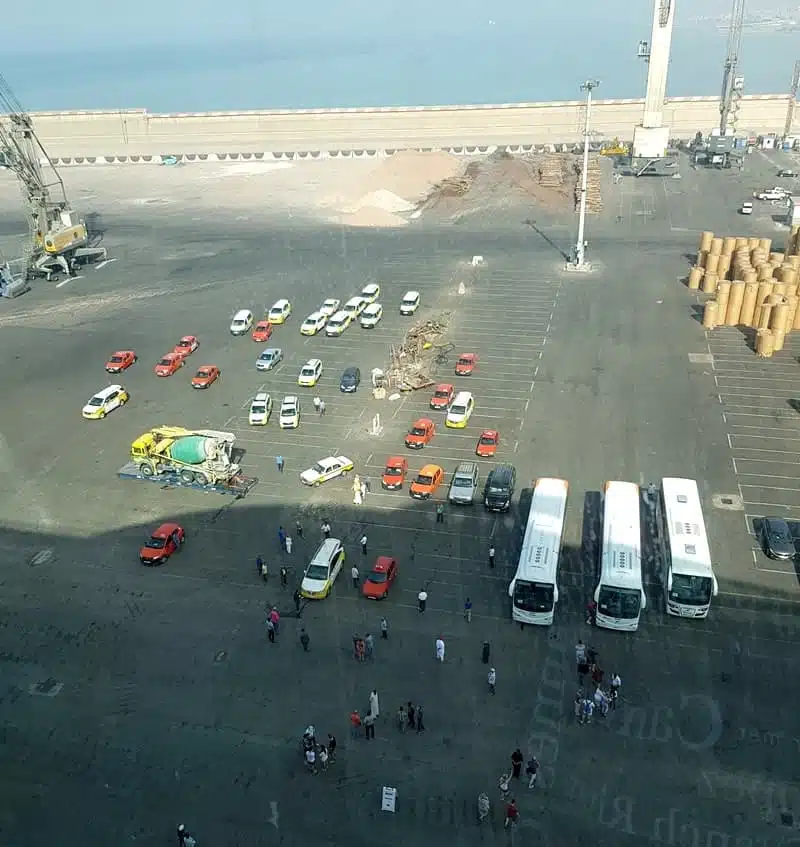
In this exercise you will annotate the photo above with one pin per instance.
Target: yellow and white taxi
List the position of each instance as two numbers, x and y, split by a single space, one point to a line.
105 401
338 323
310 373
355 306
325 469
371 316
260 409
322 570
289 416
279 312
330 306
371 292
313 323
410 303
460 410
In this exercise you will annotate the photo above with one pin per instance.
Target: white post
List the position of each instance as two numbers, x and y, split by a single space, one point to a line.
580 250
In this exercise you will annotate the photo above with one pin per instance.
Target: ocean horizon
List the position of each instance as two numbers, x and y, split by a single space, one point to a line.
496 65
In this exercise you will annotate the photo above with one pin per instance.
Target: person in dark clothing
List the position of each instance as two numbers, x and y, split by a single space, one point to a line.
420 719
332 747
304 640
412 715
284 577
298 530
517 760
259 565
297 597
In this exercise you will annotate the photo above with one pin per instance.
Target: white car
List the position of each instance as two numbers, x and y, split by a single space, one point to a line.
460 410
310 373
289 417
313 324
355 306
338 323
242 322
371 292
410 303
371 315
775 193
279 312
269 359
330 307
326 469
105 401
747 208
260 409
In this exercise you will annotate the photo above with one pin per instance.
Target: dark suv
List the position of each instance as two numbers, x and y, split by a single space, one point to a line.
499 488
776 538
350 380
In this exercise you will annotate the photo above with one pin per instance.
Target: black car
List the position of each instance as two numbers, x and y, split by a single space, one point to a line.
776 538
786 172
350 379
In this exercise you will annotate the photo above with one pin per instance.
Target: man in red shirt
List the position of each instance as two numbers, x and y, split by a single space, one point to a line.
512 813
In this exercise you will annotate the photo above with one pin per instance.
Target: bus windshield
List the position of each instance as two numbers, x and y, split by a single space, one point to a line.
533 596
691 590
622 603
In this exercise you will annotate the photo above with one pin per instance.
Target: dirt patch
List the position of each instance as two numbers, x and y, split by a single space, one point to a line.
412 174
371 216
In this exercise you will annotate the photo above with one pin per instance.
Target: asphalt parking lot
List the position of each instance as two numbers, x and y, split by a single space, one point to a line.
137 698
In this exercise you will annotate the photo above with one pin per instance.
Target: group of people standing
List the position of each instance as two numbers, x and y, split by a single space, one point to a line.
316 754
602 699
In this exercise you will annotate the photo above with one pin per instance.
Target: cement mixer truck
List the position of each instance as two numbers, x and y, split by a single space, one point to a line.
196 458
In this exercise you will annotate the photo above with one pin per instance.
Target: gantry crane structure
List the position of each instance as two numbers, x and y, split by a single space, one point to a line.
59 239
732 84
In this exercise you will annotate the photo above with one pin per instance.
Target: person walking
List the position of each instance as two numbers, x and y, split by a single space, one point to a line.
317 401
512 814
422 599
440 513
322 408
332 747
259 565
298 529
304 639
587 710
532 771
601 702
468 610
402 717
311 760
297 597
411 715
517 760
287 543
491 555
326 529
374 706
323 758
580 652
384 629
369 726
578 705
440 649
284 577
279 463
282 537
369 646
364 491
355 575
275 617
615 683
270 631
355 723
420 720
491 679
597 676
364 544
184 839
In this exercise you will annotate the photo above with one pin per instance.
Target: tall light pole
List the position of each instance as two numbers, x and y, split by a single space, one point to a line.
580 246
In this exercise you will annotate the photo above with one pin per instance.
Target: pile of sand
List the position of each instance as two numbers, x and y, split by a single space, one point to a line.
411 174
383 199
371 216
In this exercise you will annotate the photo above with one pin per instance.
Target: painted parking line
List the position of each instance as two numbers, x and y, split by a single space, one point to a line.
783 506
746 381
745 461
790 416
761 438
752 493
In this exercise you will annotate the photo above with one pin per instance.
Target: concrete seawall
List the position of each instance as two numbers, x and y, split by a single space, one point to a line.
109 135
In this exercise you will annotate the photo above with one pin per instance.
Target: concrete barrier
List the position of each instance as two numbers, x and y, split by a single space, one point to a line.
137 137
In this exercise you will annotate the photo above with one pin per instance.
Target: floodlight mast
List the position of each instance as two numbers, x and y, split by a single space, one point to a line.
731 83
580 246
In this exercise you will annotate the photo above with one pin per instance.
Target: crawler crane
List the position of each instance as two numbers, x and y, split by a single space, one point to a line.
59 239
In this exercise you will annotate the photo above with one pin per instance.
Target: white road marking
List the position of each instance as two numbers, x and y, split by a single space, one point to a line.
67 280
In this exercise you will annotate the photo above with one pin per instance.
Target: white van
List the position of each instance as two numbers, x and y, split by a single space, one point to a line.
410 303
338 323
242 322
260 409
323 569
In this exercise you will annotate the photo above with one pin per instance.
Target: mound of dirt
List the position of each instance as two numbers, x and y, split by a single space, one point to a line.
372 216
411 174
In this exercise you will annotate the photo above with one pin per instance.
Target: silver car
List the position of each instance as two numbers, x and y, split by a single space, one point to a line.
269 359
464 484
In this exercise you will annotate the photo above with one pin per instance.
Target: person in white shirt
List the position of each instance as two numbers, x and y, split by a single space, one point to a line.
440 649
311 760
601 702
492 680
580 653
615 684
354 575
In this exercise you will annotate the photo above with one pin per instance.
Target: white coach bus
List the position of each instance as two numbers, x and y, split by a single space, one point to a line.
688 576
534 589
620 593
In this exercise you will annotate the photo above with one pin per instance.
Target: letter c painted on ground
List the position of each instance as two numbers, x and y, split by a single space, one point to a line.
715 730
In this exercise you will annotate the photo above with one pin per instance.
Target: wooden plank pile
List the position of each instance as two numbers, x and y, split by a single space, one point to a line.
551 171
594 194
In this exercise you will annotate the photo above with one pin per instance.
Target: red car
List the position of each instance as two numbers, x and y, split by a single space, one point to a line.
466 364
164 541
120 361
443 396
262 331
205 376
379 580
394 474
167 365
488 443
187 345
420 434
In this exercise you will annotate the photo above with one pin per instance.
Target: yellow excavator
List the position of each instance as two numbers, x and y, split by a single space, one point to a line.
59 239
614 148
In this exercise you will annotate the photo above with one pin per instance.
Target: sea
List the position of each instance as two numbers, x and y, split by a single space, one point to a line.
493 63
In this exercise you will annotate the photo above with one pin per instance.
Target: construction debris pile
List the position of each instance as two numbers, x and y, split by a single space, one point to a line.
553 170
413 363
594 194
752 286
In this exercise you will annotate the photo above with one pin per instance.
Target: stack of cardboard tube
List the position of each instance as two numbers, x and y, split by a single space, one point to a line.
752 285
